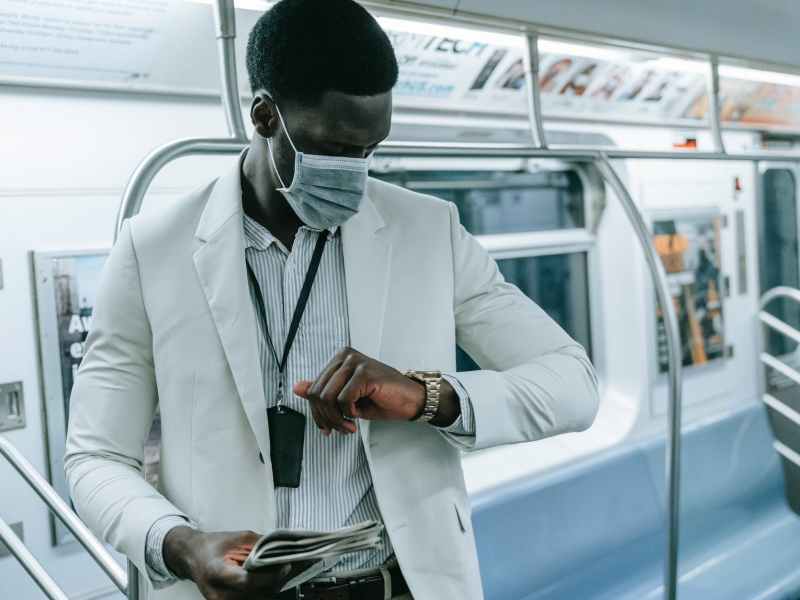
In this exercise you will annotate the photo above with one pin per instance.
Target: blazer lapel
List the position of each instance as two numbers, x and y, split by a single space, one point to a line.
220 265
367 259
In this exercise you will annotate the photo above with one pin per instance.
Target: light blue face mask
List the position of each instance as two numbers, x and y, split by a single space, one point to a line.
325 190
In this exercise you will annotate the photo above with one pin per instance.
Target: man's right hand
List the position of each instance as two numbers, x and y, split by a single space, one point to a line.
201 557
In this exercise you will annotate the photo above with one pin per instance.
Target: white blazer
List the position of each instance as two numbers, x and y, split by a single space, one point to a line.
174 327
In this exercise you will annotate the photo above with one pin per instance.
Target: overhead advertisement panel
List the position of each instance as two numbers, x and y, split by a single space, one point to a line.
96 40
452 68
463 72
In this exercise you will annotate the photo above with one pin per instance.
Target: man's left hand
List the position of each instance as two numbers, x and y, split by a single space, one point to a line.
356 386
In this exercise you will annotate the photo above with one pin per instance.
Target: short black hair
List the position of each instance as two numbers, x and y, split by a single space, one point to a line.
300 49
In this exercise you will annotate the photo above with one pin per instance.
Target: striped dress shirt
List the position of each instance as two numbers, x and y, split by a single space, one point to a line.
336 485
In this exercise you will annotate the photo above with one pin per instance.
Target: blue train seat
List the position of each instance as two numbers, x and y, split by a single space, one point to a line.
596 529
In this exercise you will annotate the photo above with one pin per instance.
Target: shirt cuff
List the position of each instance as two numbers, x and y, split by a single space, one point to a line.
158 572
462 430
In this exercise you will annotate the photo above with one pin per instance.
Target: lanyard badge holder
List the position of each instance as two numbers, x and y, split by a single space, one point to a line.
286 426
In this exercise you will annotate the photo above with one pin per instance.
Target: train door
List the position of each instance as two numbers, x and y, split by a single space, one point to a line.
779 255
779 265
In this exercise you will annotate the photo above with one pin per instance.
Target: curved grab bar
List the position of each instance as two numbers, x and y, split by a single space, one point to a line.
65 514
133 196
780 292
675 392
139 182
781 327
142 177
147 170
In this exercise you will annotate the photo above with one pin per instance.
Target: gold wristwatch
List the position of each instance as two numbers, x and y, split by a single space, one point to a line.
432 380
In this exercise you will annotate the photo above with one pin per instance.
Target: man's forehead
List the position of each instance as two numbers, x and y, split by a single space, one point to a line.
349 119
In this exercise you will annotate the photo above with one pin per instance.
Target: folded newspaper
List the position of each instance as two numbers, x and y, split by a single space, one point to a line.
320 550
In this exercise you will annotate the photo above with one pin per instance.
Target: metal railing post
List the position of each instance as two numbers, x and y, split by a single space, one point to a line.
673 438
713 105
225 25
133 582
534 91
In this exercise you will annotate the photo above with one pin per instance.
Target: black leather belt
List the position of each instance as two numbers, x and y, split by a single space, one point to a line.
365 587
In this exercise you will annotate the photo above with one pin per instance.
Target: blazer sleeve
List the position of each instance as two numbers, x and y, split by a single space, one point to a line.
112 405
535 380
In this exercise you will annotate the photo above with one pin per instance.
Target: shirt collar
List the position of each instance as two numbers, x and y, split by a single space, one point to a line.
260 238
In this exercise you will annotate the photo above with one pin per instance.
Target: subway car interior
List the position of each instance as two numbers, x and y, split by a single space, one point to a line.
633 167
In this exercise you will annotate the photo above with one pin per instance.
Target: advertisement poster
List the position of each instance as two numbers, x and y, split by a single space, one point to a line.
97 40
439 72
690 251
67 284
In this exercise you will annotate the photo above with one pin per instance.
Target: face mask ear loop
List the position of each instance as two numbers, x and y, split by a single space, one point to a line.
274 165
269 141
285 129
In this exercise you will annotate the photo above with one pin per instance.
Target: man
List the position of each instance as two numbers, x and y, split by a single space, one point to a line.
271 316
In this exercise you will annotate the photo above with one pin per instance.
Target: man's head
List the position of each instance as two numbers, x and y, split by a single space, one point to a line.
330 69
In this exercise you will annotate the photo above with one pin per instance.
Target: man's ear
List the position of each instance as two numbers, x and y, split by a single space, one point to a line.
263 115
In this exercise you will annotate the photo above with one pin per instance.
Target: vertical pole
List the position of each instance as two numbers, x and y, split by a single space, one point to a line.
133 581
673 441
531 58
225 26
713 105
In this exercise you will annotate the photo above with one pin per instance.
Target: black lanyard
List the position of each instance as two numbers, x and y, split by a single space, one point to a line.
313 267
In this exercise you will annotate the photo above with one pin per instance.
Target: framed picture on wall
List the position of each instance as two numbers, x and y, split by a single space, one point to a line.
689 247
67 284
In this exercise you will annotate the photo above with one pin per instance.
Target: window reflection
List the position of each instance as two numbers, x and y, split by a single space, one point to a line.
497 202
557 283
779 259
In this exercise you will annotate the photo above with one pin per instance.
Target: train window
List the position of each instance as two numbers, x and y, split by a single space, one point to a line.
778 252
690 251
559 284
497 202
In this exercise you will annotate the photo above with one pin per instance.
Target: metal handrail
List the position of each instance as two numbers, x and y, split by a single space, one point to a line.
656 269
146 171
34 568
675 362
773 362
781 291
781 327
225 25
65 514
714 104
534 91
142 177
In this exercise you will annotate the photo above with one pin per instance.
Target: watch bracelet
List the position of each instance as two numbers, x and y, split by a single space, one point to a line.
433 386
